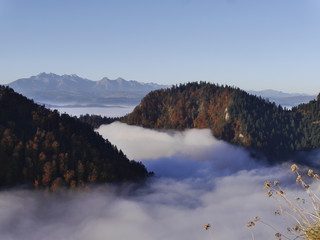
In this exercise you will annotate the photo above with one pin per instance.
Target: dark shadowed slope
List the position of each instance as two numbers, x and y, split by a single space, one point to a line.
44 148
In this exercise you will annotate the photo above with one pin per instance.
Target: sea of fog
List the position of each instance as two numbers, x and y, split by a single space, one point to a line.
198 180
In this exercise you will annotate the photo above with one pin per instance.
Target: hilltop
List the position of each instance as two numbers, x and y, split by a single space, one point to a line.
232 115
40 147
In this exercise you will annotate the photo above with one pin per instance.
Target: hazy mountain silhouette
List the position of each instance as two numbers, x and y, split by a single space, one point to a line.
53 89
284 99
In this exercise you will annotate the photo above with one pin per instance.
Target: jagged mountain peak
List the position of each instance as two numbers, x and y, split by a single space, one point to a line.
104 79
44 74
50 88
120 79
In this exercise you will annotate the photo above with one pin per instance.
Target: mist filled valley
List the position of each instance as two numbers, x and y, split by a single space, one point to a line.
198 180
159 120
66 177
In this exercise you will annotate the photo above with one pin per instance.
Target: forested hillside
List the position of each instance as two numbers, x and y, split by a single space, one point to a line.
232 115
309 127
96 120
44 148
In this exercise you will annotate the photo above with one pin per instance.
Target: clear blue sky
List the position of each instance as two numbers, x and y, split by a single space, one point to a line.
251 44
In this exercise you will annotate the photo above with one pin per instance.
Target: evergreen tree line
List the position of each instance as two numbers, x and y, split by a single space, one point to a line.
96 120
41 147
232 115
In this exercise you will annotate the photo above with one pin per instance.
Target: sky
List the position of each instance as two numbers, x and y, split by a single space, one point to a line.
249 44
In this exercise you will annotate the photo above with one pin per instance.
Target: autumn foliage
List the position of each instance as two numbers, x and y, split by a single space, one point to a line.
49 150
232 115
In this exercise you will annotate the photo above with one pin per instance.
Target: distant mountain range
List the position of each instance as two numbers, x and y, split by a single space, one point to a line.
72 90
284 99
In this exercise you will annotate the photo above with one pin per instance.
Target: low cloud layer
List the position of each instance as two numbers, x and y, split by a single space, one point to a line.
163 209
141 143
191 153
198 180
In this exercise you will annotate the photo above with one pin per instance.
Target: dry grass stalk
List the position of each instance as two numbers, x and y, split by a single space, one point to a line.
306 217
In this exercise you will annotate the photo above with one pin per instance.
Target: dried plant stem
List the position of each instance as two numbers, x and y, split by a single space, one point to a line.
273 228
252 234
306 216
282 208
211 234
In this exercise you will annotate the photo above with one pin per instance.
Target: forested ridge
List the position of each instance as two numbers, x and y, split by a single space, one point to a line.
41 147
96 120
232 115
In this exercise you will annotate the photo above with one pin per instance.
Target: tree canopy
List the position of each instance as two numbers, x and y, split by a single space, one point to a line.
232 115
41 147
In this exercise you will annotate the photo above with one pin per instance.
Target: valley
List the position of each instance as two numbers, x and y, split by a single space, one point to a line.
159 120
